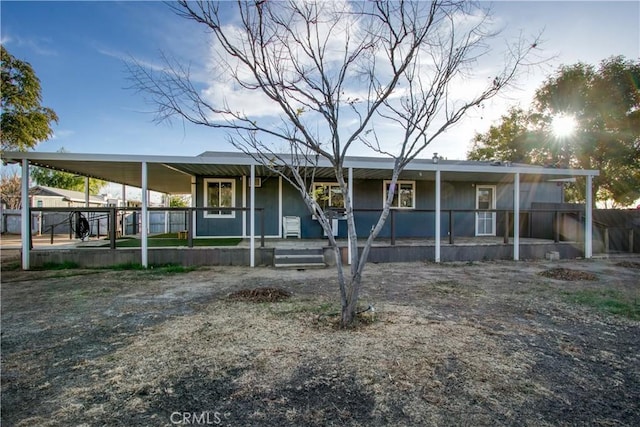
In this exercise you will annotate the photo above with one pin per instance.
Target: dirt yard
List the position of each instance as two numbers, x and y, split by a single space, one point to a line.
501 343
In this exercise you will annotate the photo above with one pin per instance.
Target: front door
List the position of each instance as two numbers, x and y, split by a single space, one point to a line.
485 221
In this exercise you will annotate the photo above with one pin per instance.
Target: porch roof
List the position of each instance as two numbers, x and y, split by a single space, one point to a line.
172 174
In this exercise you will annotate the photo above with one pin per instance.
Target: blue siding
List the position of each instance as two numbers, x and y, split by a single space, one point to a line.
368 194
218 226
267 198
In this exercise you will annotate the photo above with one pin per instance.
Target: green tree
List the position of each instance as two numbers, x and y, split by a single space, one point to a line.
605 103
177 201
65 180
23 122
511 139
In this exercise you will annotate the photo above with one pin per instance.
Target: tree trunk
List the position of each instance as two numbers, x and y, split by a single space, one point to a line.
350 304
349 311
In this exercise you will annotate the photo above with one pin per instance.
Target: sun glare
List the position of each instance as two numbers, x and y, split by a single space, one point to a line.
563 125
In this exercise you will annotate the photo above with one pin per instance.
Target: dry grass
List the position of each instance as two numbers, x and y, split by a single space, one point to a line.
568 274
487 344
260 295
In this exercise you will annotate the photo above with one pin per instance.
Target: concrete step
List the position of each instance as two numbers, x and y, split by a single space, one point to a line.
298 258
298 251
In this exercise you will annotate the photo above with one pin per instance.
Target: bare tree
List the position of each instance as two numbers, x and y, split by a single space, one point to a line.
10 190
336 73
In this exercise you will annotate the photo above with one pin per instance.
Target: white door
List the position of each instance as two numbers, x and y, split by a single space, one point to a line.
485 221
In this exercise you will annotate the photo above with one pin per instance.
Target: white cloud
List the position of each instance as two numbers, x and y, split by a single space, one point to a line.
39 45
62 134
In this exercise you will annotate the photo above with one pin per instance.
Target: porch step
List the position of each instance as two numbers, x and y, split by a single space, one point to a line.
298 258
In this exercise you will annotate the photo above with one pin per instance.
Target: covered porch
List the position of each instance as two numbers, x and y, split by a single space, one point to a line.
178 175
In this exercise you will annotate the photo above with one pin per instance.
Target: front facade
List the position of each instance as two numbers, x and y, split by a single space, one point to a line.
434 198
413 206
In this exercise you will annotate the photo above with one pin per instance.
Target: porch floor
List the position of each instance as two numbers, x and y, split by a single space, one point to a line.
12 241
293 243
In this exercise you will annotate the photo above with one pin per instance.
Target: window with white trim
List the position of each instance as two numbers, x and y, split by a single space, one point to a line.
328 195
404 197
219 193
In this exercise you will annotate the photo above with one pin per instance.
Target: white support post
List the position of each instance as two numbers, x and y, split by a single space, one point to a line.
86 191
144 219
244 205
26 215
194 203
516 216
438 207
123 219
588 220
352 206
280 205
252 218
193 192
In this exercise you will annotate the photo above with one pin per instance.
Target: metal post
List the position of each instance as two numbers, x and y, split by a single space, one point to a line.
190 215
352 207
437 225
244 205
123 214
112 227
588 223
262 228
280 206
631 240
506 227
393 227
556 222
86 192
606 240
516 217
252 218
451 227
26 215
143 221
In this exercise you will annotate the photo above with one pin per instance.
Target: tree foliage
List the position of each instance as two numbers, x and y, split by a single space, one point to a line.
24 122
177 201
333 74
605 102
65 180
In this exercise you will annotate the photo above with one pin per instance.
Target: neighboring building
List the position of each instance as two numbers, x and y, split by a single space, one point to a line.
49 197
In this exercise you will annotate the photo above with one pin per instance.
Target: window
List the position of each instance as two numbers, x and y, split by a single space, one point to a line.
405 195
485 200
328 195
219 193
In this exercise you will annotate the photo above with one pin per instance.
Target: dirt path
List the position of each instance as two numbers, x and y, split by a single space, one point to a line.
473 344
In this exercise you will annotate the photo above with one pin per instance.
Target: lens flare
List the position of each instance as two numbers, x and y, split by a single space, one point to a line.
563 125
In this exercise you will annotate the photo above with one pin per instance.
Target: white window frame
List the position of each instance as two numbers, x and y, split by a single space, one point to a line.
386 183
208 181
327 184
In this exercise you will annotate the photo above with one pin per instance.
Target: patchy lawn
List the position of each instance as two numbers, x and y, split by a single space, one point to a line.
455 344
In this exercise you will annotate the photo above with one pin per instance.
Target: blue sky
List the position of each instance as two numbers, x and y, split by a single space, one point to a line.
78 50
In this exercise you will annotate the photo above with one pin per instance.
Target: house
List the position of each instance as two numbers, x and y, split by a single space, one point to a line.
436 200
43 196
